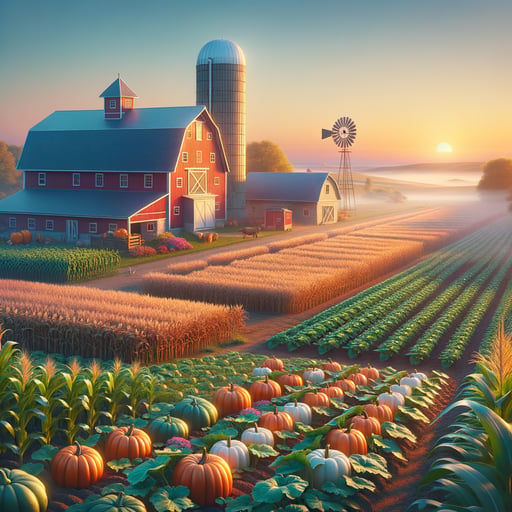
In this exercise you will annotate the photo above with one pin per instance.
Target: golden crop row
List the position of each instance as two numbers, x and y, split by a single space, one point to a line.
89 322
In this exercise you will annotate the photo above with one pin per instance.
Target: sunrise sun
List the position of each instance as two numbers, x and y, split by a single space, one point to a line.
444 147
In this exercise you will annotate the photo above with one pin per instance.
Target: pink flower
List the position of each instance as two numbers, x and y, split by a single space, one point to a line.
249 410
179 442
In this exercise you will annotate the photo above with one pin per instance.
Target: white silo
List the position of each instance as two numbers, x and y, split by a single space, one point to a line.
220 86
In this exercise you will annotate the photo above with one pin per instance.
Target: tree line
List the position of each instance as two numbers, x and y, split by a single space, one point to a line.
10 178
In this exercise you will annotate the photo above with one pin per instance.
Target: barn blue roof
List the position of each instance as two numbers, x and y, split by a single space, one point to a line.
286 186
78 203
146 139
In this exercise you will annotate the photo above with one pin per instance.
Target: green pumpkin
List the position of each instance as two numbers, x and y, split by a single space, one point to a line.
197 412
21 492
117 503
166 427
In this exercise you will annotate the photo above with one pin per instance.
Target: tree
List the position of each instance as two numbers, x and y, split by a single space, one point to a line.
265 156
497 176
10 178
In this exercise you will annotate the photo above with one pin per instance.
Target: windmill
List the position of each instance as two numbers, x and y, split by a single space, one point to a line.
343 132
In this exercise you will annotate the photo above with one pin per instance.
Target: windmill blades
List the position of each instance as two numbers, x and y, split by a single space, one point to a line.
344 132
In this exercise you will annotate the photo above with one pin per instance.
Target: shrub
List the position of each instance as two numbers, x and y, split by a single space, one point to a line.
142 250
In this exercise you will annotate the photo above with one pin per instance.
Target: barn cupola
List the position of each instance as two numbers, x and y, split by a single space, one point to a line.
119 98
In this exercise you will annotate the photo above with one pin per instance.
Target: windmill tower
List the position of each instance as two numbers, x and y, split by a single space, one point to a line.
343 132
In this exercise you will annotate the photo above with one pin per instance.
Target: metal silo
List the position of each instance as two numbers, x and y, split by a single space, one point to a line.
220 86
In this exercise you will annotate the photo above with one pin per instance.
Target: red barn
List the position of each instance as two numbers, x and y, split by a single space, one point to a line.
148 170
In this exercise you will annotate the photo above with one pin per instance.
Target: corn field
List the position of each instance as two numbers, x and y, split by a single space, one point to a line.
296 274
56 265
88 322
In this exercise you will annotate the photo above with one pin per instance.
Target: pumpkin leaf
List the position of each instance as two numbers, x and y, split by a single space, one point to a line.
410 413
292 463
372 463
113 489
89 441
320 501
339 421
262 450
240 504
121 464
172 499
285 434
210 439
45 453
398 431
284 447
33 468
348 486
125 421
140 473
294 507
273 489
418 401
387 446
322 411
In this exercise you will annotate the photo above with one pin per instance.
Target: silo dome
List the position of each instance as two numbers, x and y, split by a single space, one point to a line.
221 51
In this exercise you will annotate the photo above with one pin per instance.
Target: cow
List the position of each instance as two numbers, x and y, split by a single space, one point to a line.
250 231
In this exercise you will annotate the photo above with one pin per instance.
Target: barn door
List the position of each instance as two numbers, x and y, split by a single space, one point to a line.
327 214
197 182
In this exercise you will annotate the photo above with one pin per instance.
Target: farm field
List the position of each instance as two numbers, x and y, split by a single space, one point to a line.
449 304
300 273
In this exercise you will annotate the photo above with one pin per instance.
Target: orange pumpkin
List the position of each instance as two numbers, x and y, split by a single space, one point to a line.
207 476
121 233
290 379
16 238
315 399
276 420
333 392
359 379
331 366
275 364
26 236
77 466
348 440
264 389
128 442
231 399
370 373
346 385
381 412
366 424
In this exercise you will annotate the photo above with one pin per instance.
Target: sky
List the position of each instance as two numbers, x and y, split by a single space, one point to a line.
411 74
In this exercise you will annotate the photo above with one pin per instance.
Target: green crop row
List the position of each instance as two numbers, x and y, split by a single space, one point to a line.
57 265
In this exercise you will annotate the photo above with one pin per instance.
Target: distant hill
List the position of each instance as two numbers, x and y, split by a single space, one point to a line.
456 167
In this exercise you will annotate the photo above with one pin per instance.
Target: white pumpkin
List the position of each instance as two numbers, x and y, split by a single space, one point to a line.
392 399
403 389
314 375
234 452
261 371
412 382
328 465
257 435
299 411
419 375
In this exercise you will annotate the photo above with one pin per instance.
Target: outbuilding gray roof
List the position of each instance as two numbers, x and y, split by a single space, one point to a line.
287 186
146 139
78 203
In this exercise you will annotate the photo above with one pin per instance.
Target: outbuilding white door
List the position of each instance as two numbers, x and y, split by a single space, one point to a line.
327 214
204 213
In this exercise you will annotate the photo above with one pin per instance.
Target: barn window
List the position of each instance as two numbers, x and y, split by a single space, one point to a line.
93 227
99 179
209 135
179 182
112 227
199 157
184 156
76 179
189 133
49 225
176 210
148 181
41 180
123 180
112 104
216 180
305 212
212 158
327 188
31 223
150 227
12 222
128 102
199 130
